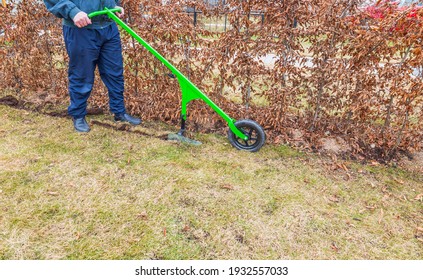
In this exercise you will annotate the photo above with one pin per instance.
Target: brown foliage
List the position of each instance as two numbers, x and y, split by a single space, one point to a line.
335 72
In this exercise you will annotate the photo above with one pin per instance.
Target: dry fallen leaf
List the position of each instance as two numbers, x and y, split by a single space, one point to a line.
334 198
227 187
334 247
143 216
381 216
52 193
398 181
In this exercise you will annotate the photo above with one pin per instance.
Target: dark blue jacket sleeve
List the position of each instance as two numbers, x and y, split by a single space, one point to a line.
62 8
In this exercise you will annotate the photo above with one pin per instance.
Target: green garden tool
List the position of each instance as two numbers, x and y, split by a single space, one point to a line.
243 134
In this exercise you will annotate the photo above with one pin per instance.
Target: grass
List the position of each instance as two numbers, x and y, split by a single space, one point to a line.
113 194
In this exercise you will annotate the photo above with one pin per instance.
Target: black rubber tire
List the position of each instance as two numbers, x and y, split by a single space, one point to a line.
255 133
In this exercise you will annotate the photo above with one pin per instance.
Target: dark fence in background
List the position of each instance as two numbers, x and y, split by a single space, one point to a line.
220 22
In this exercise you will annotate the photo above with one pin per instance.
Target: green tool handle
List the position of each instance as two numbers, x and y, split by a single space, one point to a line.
189 90
104 12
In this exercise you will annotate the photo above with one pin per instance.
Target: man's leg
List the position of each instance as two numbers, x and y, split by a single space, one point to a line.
83 54
110 66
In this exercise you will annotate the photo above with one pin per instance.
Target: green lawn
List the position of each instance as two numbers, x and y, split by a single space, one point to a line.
113 194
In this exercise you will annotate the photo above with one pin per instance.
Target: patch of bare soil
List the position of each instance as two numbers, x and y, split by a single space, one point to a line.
335 145
413 163
9 101
40 107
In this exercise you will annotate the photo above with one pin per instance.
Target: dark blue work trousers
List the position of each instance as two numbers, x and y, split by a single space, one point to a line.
87 49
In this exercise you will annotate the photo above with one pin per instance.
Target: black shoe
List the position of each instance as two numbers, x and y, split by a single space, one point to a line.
81 125
127 118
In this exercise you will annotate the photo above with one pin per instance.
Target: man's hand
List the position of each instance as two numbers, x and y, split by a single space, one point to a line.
122 12
81 19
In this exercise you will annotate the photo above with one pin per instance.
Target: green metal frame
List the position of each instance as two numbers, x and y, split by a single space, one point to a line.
189 90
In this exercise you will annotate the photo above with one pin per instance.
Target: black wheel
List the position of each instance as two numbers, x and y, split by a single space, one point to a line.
255 133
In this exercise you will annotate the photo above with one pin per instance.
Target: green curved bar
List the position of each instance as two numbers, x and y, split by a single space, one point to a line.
106 11
189 90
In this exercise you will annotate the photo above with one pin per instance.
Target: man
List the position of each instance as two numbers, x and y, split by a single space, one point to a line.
91 43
